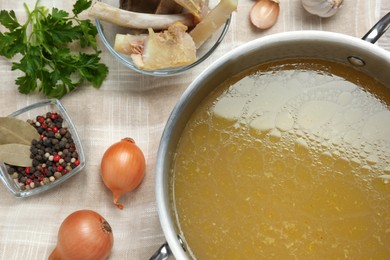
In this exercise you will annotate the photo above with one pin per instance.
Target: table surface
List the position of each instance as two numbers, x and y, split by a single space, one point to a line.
28 227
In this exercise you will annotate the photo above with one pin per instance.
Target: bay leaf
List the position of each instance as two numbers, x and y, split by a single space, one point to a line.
14 130
16 154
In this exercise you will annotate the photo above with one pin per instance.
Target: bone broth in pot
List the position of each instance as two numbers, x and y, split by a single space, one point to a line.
281 150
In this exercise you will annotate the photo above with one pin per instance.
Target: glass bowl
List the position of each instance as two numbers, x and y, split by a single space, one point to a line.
108 31
30 112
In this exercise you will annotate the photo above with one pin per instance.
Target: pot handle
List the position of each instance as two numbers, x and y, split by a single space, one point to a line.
162 253
378 30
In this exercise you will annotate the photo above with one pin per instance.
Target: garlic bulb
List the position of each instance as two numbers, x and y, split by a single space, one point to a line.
322 8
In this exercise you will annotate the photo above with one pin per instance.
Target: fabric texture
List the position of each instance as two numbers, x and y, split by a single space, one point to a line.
137 106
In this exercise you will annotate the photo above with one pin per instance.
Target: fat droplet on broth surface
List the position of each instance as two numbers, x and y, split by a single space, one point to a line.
368 148
230 108
314 114
284 121
244 87
265 122
326 157
377 127
365 169
274 97
385 178
355 162
301 146
275 135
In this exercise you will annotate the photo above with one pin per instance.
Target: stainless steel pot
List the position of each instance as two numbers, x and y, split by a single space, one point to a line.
361 53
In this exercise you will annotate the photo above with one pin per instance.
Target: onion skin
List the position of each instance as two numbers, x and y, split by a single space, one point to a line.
122 168
83 235
264 13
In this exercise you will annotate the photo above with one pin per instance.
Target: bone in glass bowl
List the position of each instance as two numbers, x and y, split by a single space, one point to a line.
31 112
107 33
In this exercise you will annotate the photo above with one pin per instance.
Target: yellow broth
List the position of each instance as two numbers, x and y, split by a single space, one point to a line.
290 160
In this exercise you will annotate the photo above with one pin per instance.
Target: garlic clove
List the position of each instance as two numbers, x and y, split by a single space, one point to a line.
264 13
322 8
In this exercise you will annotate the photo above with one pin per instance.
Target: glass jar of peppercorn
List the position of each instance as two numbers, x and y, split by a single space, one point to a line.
56 155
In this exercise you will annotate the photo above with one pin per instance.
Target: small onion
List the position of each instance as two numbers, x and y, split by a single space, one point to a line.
83 235
123 168
264 13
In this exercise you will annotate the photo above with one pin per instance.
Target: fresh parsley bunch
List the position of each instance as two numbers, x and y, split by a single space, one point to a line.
44 41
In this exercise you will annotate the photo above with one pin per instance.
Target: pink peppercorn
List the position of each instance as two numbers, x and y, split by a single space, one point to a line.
77 162
44 170
53 116
60 168
28 181
54 129
56 158
40 119
27 170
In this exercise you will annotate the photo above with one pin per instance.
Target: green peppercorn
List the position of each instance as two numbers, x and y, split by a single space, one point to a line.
57 175
46 180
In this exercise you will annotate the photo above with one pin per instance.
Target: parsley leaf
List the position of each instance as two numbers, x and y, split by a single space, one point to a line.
12 43
9 20
90 69
48 63
81 6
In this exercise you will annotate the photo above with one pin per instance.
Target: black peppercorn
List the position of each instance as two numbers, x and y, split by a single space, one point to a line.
35 162
11 170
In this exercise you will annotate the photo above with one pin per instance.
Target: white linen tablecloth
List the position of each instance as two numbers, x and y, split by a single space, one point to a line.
28 227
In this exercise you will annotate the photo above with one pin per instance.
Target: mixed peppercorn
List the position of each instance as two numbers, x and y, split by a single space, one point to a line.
53 155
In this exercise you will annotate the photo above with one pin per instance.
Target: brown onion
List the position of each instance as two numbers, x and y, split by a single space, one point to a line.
264 13
83 235
123 168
